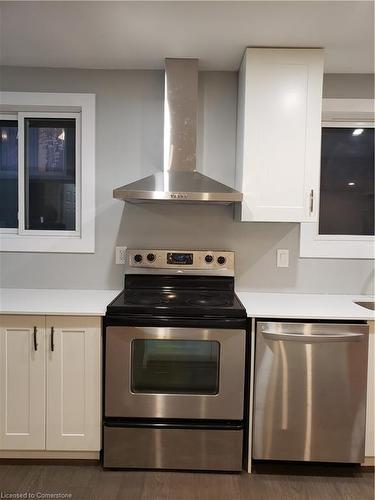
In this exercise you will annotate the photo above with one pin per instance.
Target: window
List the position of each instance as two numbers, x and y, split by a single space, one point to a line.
347 181
47 172
50 173
175 366
345 227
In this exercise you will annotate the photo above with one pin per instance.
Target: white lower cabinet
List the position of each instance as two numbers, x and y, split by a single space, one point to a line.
22 382
73 382
50 391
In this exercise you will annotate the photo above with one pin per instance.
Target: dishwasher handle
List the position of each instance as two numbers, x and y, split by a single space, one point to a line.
336 337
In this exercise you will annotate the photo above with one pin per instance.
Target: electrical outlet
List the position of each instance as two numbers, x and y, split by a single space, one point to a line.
282 259
120 255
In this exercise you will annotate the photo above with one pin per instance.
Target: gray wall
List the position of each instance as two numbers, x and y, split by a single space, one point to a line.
129 146
348 86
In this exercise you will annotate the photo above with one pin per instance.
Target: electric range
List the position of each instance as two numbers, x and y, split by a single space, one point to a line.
180 295
174 363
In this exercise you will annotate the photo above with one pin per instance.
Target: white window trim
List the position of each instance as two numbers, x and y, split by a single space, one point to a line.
83 240
340 113
13 117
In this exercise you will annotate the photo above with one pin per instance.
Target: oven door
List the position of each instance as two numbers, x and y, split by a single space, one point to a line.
174 373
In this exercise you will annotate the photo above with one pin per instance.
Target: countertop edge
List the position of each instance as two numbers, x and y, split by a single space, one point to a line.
52 313
275 305
312 317
305 306
55 302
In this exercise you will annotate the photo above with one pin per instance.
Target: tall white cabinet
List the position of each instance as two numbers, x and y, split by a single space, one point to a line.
278 134
50 381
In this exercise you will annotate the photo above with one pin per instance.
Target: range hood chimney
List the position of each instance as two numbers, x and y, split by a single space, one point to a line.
179 181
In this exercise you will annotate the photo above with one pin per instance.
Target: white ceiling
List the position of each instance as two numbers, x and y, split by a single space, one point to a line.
139 35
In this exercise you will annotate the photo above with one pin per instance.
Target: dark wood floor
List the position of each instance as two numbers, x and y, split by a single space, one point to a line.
89 482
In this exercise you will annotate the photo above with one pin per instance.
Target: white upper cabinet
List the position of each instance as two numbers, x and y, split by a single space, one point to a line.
278 134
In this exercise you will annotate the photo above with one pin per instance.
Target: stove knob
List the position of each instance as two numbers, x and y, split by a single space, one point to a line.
151 257
208 259
221 260
138 257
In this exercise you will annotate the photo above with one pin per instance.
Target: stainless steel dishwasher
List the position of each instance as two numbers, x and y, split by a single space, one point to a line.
310 391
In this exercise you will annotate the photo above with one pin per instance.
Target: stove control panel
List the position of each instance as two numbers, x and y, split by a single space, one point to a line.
206 261
180 258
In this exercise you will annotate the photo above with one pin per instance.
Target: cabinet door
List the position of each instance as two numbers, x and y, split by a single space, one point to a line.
279 129
73 383
22 382
370 411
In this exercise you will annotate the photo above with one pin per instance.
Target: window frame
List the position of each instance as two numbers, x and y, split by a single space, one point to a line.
11 117
337 113
38 105
22 168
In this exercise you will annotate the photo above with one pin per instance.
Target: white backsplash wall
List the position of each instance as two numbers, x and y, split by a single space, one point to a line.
129 146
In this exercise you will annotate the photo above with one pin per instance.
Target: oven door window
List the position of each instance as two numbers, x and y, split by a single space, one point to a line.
175 366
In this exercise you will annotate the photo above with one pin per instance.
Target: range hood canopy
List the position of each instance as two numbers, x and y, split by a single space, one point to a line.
179 181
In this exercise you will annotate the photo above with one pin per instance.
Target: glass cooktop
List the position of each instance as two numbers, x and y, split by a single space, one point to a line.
177 302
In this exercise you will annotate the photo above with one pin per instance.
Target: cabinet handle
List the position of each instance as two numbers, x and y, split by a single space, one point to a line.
35 342
52 343
311 201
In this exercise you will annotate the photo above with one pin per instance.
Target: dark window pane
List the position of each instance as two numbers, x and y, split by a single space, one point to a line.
347 181
8 174
50 174
175 366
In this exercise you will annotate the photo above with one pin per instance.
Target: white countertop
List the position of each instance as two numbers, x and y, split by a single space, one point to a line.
305 305
55 302
257 304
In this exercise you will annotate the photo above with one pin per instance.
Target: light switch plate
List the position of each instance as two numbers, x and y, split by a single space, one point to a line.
282 259
121 255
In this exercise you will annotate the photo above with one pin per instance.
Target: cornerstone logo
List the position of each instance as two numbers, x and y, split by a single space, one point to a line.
37 495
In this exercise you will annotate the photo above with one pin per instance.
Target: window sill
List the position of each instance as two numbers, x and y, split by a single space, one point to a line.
340 247
50 244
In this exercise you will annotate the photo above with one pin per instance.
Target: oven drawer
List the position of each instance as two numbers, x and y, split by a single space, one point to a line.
173 448
155 372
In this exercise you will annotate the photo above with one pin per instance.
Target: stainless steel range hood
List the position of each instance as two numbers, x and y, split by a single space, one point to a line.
179 181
